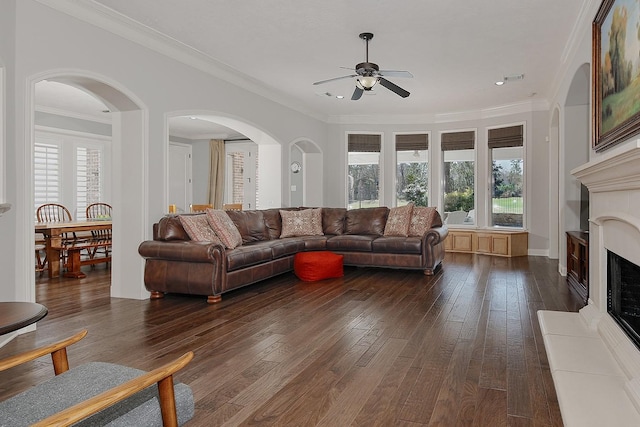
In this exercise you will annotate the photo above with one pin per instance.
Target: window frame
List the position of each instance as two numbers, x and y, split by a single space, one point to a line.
381 174
68 143
441 195
428 161
525 204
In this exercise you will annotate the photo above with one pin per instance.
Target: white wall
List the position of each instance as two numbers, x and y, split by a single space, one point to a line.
49 41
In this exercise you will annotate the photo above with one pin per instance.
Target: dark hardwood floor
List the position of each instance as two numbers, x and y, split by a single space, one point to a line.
378 347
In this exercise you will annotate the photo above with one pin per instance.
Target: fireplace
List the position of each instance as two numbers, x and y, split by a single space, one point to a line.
594 355
623 294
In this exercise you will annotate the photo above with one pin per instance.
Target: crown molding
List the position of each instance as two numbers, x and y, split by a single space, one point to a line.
102 17
460 116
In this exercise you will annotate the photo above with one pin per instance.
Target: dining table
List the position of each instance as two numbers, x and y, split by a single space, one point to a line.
54 233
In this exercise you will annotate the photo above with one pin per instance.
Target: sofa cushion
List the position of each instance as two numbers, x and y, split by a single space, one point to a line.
248 255
398 221
286 247
250 224
170 228
273 221
306 222
397 245
422 219
224 228
366 221
198 228
351 242
333 220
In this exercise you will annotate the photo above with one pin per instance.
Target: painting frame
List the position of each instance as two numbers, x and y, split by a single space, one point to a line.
612 124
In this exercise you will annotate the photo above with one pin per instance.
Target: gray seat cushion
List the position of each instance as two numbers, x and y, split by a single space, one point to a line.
85 381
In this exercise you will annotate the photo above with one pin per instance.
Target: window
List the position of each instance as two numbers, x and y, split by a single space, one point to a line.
458 156
507 177
363 172
88 178
412 169
70 170
46 169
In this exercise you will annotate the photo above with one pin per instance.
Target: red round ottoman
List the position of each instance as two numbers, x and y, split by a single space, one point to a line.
312 266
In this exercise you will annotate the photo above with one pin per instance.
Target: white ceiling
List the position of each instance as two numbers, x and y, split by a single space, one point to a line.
456 51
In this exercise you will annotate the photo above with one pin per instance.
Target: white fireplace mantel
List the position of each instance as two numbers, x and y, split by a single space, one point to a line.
617 170
595 366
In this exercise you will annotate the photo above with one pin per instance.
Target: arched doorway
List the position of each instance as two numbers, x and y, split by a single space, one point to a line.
305 173
574 151
129 190
554 189
215 125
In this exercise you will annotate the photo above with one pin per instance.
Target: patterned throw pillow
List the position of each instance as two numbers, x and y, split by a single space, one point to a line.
398 221
225 228
306 222
198 228
421 220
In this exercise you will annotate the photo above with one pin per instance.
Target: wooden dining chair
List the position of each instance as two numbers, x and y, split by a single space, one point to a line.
100 211
200 208
54 212
232 207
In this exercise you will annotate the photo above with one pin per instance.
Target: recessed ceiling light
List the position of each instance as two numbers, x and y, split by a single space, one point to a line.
340 96
500 83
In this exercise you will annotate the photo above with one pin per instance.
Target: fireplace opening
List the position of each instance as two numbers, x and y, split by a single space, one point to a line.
623 294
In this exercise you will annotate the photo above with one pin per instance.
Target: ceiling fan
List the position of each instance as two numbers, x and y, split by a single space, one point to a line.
369 74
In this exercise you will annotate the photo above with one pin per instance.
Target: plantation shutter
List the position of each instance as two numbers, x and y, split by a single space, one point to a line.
46 167
419 141
506 137
363 143
88 178
458 141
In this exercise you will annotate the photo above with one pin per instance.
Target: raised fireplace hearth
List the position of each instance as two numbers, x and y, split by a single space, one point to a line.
594 355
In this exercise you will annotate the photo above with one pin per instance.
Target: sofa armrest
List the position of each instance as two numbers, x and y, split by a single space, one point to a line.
436 235
182 251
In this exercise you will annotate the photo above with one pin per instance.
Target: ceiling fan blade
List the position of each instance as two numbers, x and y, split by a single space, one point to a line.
357 94
395 73
336 78
393 87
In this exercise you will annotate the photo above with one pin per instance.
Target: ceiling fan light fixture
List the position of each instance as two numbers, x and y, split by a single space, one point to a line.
367 82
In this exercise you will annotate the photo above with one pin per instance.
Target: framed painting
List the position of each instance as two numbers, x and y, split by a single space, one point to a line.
616 66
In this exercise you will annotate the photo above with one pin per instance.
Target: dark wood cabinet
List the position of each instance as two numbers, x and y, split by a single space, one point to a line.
578 262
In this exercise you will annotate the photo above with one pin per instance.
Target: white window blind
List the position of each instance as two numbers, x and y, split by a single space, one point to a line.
88 178
46 173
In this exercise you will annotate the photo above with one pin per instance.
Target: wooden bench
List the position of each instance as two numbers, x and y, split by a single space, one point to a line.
75 261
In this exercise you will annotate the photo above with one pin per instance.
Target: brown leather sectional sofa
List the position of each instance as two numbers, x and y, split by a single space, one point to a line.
175 264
